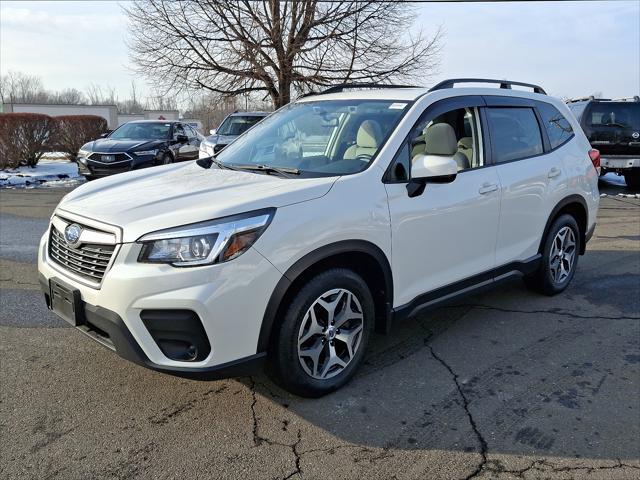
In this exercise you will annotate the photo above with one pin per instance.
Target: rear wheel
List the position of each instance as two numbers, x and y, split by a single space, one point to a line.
559 257
633 180
324 334
166 159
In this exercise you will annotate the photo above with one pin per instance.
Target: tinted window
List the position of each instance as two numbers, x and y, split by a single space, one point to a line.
142 131
237 125
178 130
610 114
558 128
515 133
577 109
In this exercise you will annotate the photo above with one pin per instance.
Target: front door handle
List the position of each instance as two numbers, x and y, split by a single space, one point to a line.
554 172
487 188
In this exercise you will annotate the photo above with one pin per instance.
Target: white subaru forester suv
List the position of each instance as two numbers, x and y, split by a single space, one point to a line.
334 217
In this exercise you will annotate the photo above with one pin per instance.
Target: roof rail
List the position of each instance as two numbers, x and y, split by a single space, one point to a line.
344 86
503 84
635 98
582 99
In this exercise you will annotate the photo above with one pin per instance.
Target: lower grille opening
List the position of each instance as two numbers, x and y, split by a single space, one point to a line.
178 333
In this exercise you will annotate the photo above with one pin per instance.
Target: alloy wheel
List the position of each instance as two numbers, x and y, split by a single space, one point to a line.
330 333
562 255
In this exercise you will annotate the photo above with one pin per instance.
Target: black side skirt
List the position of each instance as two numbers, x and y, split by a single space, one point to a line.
439 296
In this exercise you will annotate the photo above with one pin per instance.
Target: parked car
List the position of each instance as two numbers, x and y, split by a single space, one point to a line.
613 127
231 128
265 253
138 144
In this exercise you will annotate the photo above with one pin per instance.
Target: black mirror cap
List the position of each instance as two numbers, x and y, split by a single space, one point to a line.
416 186
182 138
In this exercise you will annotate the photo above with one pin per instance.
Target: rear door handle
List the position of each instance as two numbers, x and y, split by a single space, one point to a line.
554 172
487 188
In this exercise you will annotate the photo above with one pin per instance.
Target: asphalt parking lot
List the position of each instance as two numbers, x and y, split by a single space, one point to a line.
505 384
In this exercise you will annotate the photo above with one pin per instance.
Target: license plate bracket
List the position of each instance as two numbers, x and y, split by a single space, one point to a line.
66 302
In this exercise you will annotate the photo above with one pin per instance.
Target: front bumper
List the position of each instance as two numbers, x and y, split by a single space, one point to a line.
96 169
230 300
108 329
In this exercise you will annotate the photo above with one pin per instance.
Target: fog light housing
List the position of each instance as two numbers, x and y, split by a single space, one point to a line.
179 334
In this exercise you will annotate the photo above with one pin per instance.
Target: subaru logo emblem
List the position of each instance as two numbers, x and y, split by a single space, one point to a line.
635 135
72 234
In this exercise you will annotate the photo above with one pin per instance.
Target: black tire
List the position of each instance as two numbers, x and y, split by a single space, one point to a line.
166 159
284 364
88 178
543 280
633 181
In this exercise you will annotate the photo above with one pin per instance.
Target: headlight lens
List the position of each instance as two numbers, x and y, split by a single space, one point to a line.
146 152
205 243
83 153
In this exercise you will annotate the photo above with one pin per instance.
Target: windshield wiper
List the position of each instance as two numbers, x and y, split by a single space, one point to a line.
284 171
206 162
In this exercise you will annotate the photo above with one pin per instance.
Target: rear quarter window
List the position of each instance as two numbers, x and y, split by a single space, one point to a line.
557 126
515 133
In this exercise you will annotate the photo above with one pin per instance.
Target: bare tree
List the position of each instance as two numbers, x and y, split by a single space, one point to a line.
18 87
233 47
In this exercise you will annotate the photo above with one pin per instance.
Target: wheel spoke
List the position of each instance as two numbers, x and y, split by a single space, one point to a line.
332 361
314 327
314 354
350 338
328 343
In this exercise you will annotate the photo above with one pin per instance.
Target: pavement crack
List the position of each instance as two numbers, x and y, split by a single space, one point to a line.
465 404
552 311
297 455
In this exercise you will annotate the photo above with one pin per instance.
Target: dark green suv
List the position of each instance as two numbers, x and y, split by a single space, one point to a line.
613 127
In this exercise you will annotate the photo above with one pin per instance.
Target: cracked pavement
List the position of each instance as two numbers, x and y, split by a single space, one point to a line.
505 384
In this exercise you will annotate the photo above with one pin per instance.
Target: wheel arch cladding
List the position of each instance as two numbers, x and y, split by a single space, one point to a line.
576 206
361 256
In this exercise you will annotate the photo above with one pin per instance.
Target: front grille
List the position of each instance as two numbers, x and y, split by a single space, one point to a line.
104 170
218 147
88 261
109 157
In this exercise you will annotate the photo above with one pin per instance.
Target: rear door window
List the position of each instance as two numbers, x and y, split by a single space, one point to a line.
557 126
515 133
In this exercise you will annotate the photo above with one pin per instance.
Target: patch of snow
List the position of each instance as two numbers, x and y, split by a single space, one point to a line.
602 195
50 172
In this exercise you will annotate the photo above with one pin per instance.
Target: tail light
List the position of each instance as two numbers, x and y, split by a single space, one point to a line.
594 155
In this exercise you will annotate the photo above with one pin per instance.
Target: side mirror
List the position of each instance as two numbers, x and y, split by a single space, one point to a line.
212 131
430 169
182 138
104 135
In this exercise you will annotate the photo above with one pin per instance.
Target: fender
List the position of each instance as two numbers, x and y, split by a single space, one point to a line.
312 258
561 204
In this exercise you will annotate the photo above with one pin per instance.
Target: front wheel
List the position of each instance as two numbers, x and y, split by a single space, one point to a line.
324 334
559 257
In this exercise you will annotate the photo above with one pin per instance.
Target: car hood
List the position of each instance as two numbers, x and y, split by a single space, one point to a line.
220 139
147 200
108 145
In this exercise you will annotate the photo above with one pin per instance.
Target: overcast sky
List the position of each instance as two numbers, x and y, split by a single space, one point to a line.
570 48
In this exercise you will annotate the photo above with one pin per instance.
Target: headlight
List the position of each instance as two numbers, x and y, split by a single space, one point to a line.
205 243
84 153
146 152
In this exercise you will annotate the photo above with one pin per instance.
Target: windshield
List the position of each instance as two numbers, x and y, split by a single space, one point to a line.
142 131
237 125
625 115
331 137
